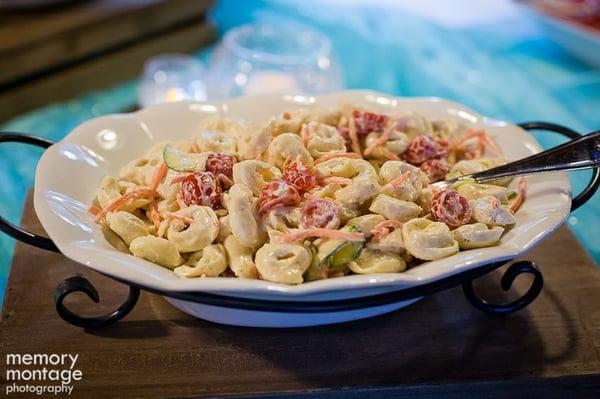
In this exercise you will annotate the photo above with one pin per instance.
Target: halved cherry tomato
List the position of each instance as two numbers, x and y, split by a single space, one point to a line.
201 188
451 208
421 149
277 193
298 174
320 213
220 163
435 169
367 122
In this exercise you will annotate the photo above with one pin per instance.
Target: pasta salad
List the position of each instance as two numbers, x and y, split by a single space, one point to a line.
309 195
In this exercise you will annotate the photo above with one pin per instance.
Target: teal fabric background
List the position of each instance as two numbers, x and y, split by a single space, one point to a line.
494 59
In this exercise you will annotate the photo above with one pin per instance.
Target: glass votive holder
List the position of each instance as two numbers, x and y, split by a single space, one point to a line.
265 58
171 78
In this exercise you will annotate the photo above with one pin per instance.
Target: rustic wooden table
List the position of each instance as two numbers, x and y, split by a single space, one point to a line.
440 346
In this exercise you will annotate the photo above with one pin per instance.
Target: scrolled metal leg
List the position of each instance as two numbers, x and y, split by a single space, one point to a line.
81 284
508 278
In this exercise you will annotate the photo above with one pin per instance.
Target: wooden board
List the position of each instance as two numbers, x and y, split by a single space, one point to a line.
438 347
32 42
107 70
63 52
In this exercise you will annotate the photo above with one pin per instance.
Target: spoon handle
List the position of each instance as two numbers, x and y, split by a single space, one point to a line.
581 153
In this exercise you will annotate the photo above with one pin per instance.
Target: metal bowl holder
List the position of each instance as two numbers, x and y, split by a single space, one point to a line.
81 284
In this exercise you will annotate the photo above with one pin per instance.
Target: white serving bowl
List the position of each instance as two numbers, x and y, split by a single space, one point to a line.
69 174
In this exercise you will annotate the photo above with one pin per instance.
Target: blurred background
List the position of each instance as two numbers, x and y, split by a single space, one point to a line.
63 62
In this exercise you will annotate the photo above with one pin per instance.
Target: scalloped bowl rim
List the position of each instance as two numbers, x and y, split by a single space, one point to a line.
60 198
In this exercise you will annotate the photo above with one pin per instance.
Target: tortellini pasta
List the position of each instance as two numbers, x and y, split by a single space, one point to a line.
397 144
240 258
394 209
283 263
392 243
243 216
324 139
111 189
467 167
366 223
215 141
201 232
287 147
157 250
210 261
477 235
489 211
140 171
127 225
254 174
428 240
373 261
474 191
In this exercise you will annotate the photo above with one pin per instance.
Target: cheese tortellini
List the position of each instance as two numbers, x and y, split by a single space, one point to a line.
373 261
127 225
288 147
489 211
428 240
210 261
323 139
202 230
254 174
477 235
394 209
283 263
243 216
157 250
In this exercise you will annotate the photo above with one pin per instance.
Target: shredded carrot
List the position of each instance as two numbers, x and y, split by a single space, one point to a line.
343 181
159 174
180 178
480 149
305 134
398 181
353 136
520 196
380 230
381 140
329 233
483 140
389 223
155 216
491 143
94 210
195 147
336 154
171 215
122 200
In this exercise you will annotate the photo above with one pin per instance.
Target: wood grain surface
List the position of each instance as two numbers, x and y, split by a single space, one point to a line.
35 41
60 53
107 70
438 347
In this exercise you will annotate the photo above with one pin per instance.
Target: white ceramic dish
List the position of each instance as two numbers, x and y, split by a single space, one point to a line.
70 171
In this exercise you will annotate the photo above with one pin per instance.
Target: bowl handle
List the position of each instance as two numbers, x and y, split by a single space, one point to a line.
6 226
594 183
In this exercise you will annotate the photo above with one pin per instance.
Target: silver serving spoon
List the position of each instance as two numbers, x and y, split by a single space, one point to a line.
581 153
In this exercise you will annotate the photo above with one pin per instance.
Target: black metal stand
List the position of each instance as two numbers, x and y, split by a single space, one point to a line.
81 284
